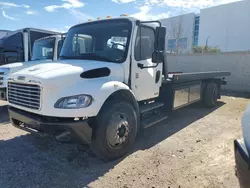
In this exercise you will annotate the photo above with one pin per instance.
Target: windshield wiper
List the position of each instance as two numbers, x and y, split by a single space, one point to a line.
98 57
37 59
65 57
88 56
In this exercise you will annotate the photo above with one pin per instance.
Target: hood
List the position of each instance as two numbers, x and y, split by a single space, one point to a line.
9 68
67 71
14 67
246 127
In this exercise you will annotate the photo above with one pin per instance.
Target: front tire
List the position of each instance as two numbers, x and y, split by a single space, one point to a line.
115 131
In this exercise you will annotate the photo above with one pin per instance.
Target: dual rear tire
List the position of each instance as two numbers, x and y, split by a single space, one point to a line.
210 95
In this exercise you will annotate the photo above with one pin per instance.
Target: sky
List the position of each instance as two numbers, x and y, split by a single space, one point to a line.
60 15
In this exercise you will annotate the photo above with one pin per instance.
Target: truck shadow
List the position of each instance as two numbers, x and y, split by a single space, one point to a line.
4 118
30 161
176 122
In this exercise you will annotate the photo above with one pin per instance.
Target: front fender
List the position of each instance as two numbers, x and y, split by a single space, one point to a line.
99 89
106 89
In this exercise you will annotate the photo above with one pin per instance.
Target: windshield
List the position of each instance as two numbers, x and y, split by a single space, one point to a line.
43 49
103 41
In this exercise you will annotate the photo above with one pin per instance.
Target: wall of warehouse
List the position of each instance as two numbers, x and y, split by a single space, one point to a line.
184 24
226 26
235 62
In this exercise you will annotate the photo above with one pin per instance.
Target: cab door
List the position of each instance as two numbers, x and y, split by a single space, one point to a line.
145 79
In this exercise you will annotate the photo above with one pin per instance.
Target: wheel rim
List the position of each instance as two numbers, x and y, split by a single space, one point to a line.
118 130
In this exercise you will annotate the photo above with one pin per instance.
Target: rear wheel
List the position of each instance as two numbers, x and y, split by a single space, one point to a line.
210 95
115 131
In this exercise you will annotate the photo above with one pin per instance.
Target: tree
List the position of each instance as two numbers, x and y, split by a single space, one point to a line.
205 49
177 33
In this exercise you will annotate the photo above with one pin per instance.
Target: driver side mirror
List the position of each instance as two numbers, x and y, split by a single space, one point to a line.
160 38
157 57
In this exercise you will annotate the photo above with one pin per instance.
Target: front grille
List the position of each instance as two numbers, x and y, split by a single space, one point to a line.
25 95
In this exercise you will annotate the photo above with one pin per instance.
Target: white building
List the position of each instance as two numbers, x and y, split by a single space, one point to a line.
180 33
226 26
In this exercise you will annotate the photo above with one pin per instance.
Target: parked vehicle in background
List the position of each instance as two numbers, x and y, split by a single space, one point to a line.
17 45
242 152
111 80
45 50
3 33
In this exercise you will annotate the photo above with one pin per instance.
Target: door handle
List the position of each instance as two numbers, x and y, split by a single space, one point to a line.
157 77
140 65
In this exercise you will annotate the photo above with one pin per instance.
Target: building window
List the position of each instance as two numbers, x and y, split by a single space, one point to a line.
196 30
182 42
172 44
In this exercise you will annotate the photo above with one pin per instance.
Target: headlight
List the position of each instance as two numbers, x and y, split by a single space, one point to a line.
78 101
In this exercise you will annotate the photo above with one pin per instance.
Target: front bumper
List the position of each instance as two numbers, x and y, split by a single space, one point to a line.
242 161
3 94
43 125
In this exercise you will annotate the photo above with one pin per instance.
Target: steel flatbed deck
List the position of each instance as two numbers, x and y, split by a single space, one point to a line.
189 77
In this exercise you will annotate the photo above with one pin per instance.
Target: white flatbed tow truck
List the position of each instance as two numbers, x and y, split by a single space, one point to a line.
111 80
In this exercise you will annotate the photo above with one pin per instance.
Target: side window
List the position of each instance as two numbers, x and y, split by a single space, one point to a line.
14 48
144 44
15 40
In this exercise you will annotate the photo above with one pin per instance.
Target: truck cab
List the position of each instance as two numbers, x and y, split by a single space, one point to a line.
44 50
17 45
111 80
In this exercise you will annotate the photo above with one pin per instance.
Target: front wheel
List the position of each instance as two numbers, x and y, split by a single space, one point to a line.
115 131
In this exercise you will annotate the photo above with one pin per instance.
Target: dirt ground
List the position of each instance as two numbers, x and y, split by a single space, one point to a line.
192 149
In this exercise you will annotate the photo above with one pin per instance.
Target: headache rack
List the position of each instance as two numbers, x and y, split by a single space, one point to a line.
24 95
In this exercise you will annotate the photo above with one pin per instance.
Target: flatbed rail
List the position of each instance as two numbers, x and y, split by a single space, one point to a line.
186 77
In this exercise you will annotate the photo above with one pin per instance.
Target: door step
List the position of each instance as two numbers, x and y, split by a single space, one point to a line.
151 106
154 119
